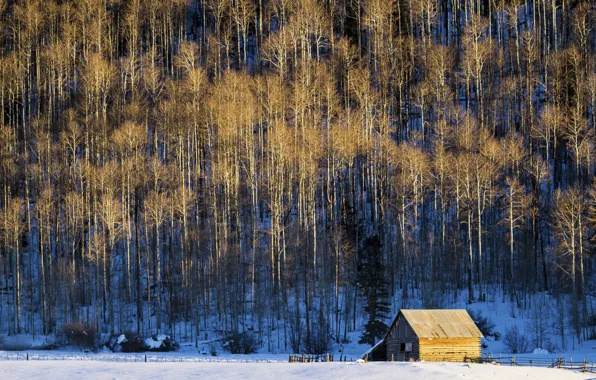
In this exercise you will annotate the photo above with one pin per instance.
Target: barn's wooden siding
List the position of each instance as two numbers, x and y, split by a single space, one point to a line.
454 349
402 333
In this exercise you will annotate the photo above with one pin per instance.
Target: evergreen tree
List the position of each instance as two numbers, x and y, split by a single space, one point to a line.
372 284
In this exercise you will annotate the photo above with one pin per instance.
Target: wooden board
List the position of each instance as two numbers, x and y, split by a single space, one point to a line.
449 349
401 333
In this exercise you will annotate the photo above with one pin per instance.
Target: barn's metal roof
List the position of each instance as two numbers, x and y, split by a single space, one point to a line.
441 324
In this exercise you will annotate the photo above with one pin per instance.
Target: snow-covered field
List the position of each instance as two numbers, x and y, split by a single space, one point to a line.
275 371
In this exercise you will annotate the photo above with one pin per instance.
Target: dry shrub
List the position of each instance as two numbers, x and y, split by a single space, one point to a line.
80 334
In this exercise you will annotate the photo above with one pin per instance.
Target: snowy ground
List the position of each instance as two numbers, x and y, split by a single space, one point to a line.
271 360
275 371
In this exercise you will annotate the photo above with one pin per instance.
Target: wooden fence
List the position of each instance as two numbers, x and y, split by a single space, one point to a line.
310 358
126 358
524 361
562 363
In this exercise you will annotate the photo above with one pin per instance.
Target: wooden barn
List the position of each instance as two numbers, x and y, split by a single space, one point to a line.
430 335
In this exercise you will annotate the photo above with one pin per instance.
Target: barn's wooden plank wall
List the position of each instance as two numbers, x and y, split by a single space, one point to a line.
455 349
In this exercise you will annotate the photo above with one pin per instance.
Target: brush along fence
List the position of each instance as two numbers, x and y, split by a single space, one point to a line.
310 358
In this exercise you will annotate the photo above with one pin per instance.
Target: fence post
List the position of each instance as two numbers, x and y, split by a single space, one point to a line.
585 365
392 357
145 358
27 356
512 360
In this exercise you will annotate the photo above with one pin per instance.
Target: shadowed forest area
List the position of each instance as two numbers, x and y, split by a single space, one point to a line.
191 166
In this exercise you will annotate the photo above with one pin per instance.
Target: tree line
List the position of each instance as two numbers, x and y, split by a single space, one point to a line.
188 166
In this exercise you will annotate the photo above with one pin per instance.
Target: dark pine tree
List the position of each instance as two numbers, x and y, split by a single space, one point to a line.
373 286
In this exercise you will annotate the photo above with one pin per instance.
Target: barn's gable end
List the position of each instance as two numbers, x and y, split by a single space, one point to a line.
402 342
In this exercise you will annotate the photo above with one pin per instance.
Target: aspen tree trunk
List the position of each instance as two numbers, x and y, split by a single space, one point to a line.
574 282
157 283
105 284
128 231
479 226
17 285
582 291
470 259
43 276
138 293
511 250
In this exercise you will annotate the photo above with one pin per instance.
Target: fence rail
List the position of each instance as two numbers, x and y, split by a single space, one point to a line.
310 358
126 358
583 366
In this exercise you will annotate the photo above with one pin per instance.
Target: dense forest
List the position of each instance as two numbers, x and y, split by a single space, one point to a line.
283 166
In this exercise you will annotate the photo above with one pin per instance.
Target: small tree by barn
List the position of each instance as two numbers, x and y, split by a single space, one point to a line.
373 286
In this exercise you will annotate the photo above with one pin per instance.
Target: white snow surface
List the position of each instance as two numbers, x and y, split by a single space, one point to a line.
121 339
540 351
151 343
275 371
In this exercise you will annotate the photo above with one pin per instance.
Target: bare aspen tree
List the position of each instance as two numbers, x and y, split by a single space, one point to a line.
244 11
569 223
43 210
516 211
12 227
156 213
